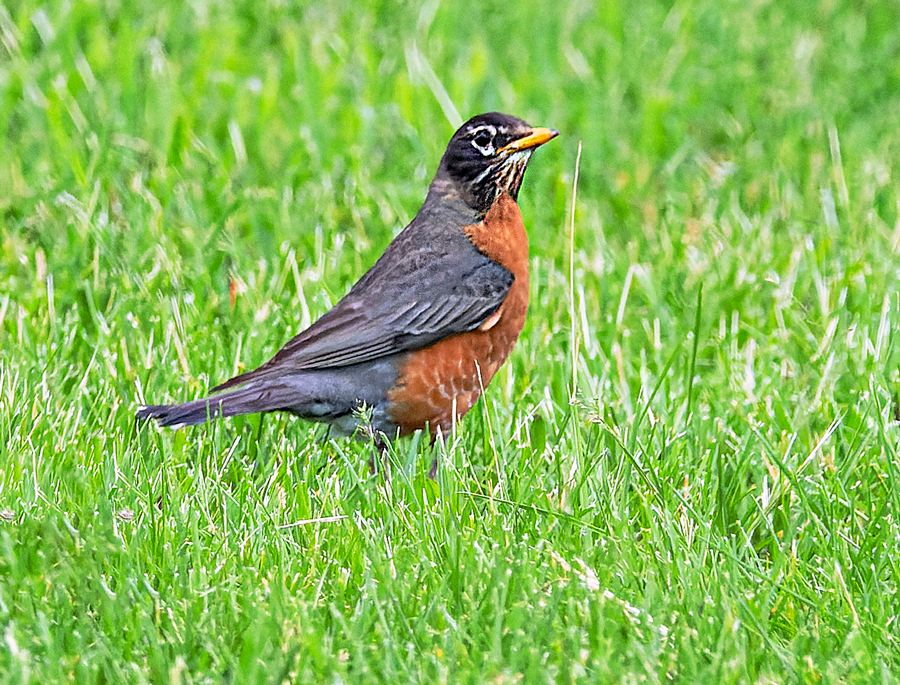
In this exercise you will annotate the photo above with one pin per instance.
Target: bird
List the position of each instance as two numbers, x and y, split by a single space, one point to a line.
418 338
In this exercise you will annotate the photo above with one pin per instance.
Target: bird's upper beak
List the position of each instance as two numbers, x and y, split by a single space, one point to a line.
537 136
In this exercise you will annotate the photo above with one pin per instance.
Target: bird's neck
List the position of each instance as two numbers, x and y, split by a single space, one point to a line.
443 193
444 190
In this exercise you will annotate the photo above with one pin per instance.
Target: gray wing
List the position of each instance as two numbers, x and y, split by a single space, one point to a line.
415 295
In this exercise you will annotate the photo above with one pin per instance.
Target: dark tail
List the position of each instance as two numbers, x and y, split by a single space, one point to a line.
247 400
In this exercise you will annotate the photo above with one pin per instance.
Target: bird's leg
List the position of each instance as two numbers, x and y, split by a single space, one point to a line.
259 431
439 435
379 443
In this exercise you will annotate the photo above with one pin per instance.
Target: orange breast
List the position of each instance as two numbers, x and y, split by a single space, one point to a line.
443 381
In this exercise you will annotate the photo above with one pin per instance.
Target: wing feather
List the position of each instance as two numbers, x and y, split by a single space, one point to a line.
410 299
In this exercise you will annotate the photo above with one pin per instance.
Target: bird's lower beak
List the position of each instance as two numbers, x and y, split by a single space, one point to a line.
538 136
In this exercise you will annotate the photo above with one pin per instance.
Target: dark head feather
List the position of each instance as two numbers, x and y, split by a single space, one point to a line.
487 156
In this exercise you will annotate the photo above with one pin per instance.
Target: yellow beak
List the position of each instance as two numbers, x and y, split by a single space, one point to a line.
538 136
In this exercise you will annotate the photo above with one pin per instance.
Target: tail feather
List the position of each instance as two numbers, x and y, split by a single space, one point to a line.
246 400
178 415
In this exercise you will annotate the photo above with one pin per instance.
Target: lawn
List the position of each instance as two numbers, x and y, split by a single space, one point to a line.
688 469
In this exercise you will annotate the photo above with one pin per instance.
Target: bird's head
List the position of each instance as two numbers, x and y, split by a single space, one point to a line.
487 156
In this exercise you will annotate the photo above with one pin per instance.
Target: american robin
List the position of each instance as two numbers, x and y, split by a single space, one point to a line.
423 332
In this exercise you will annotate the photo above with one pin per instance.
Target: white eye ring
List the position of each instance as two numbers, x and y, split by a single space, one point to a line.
485 148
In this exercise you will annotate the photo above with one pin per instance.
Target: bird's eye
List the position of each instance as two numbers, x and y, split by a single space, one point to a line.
483 141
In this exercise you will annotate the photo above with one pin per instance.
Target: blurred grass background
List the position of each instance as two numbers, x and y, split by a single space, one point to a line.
714 497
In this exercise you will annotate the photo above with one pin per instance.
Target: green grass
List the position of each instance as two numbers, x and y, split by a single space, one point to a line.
697 479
